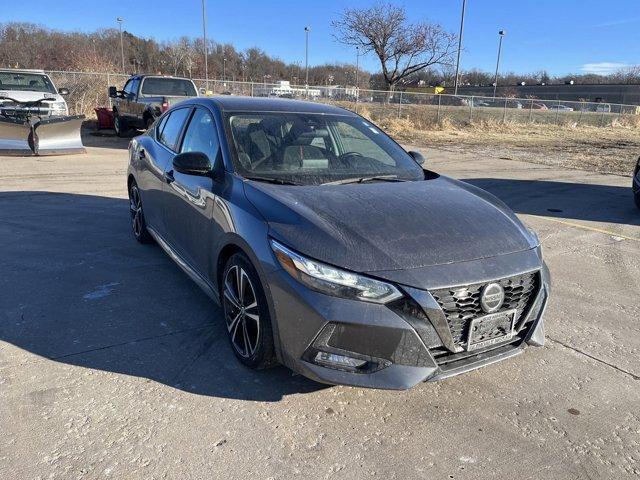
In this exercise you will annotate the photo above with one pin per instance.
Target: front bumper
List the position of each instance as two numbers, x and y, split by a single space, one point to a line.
401 347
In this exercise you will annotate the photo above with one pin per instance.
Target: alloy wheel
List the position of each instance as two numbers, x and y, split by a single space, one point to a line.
135 208
241 311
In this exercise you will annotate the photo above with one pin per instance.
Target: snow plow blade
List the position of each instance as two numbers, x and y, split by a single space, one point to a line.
15 137
58 136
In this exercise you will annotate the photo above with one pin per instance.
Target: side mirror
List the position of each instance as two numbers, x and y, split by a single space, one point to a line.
193 163
113 92
417 156
63 91
202 91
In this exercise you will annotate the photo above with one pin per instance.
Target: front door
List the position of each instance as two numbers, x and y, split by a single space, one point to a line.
190 200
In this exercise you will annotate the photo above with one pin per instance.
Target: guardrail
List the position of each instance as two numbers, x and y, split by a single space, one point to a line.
89 90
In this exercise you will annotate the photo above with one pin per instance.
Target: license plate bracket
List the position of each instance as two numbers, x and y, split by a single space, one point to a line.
491 329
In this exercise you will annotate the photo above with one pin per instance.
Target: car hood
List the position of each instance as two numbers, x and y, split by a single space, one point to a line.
29 96
390 226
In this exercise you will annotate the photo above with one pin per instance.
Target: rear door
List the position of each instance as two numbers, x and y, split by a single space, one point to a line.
191 200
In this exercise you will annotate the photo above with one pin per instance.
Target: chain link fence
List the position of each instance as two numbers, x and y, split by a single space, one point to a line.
89 91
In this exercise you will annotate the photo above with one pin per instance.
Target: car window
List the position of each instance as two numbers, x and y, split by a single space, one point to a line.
169 134
134 86
127 86
201 135
34 82
310 148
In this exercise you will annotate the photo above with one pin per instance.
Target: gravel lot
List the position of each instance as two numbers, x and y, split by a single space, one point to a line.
114 365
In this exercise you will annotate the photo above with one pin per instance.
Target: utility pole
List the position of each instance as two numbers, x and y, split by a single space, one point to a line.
464 6
120 20
357 69
501 34
306 59
204 44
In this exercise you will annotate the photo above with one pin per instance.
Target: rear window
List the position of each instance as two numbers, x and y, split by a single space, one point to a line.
175 87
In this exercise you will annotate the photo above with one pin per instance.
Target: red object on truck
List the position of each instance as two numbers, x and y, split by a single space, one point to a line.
105 117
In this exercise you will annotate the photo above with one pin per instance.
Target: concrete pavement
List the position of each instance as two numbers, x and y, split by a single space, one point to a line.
104 375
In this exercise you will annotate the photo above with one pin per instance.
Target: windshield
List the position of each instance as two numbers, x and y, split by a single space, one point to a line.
177 87
32 82
312 149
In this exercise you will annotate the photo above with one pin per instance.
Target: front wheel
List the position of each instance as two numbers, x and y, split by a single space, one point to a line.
246 313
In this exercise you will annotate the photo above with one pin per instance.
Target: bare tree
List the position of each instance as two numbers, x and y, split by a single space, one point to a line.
403 48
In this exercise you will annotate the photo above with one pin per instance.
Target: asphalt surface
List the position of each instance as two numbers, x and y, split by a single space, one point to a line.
113 364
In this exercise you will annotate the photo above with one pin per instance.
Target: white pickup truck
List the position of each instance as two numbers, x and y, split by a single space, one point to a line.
30 86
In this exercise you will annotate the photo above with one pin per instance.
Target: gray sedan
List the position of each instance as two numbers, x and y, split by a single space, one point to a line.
330 248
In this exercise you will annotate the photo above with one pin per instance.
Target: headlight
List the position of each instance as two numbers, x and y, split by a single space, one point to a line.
331 280
58 106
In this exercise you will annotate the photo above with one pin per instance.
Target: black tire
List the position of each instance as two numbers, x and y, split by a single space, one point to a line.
249 327
138 222
119 125
148 122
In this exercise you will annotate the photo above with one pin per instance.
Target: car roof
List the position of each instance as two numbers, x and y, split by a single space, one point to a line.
141 76
231 103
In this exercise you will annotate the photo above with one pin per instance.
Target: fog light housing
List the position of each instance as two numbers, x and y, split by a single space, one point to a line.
338 361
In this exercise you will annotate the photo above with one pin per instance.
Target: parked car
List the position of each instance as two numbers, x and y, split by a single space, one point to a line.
603 108
636 183
145 97
561 108
330 248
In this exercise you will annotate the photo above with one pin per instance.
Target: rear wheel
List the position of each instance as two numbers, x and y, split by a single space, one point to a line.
246 313
119 125
138 223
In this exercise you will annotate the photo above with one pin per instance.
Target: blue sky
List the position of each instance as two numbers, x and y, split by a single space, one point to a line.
561 36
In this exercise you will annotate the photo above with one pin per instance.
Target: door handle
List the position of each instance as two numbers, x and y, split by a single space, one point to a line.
168 176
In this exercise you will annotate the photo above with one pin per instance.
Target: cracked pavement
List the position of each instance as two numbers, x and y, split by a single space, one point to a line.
113 364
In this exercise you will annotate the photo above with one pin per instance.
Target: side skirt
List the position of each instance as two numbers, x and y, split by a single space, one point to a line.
186 268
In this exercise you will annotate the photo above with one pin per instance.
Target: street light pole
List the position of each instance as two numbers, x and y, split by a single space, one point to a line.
224 69
464 6
357 69
306 59
501 34
120 20
204 44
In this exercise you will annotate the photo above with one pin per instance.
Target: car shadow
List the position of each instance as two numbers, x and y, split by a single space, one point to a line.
105 138
576 201
78 289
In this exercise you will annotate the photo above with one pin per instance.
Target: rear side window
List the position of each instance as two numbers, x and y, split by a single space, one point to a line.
201 135
169 130
168 86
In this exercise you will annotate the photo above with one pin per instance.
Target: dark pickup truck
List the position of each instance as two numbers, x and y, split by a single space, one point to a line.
145 97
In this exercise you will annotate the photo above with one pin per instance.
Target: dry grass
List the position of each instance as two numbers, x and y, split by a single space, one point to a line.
612 149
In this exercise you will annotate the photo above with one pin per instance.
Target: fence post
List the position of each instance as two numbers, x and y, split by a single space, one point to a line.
439 102
252 89
108 84
581 111
470 109
504 111
602 118
531 111
557 110
400 104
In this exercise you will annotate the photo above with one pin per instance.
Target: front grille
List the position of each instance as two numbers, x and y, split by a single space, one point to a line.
462 304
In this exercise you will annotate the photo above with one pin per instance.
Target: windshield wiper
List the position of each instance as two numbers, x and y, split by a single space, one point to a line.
279 181
379 178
